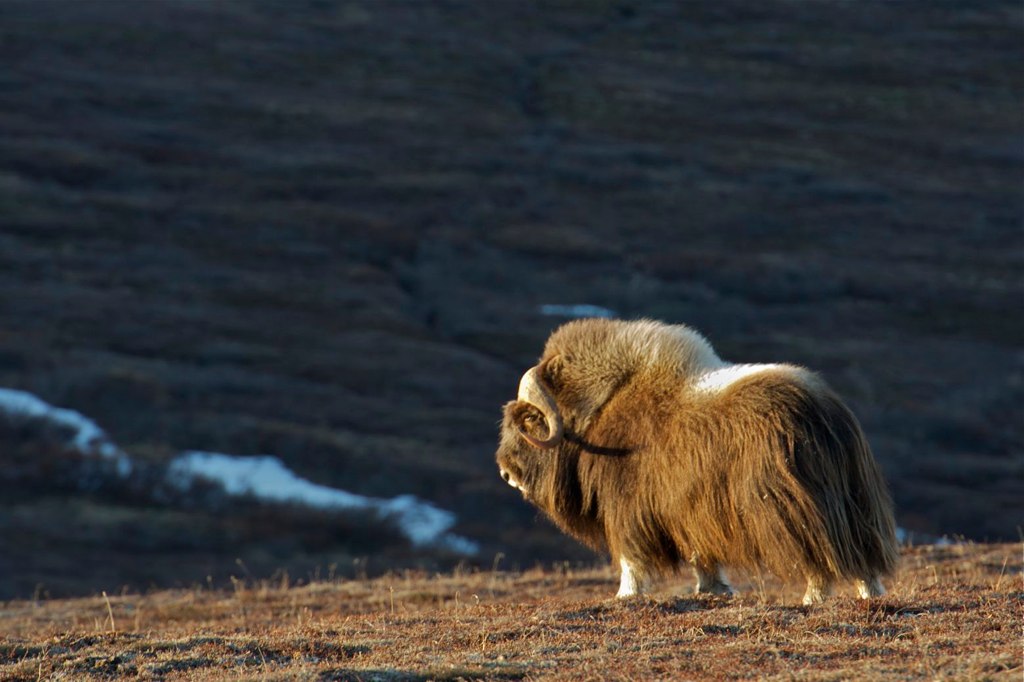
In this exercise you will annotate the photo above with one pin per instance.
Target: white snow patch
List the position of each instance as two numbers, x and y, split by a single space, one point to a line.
906 537
267 478
88 438
575 310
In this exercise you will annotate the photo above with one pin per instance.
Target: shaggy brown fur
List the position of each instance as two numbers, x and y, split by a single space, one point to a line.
770 471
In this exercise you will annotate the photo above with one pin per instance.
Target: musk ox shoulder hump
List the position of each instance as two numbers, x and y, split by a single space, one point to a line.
622 347
691 356
671 346
600 354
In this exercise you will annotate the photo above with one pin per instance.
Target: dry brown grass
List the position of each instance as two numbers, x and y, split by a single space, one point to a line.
951 613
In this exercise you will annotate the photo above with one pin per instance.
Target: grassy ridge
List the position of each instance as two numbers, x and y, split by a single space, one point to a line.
323 231
952 612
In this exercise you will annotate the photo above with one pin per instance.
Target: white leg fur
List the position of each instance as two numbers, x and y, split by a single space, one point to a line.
632 582
866 589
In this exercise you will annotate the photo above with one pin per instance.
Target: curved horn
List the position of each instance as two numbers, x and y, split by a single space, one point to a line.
533 392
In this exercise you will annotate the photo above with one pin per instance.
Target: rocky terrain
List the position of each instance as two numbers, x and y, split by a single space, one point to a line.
325 232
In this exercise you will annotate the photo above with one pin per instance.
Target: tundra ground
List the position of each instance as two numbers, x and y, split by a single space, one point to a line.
952 612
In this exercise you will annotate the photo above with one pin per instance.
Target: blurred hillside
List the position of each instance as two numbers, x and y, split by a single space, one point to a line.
324 231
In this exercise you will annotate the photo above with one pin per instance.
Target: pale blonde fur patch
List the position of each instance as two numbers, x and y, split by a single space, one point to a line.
677 347
719 379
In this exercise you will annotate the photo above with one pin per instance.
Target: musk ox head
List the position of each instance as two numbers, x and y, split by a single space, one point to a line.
560 392
532 425
539 450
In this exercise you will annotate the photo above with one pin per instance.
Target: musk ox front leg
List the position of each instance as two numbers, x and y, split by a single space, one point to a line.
634 579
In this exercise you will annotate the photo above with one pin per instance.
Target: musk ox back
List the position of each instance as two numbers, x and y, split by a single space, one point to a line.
635 438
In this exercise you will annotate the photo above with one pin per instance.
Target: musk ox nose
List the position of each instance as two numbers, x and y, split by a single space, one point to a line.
507 477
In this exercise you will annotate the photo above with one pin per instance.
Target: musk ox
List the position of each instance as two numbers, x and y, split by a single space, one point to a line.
635 438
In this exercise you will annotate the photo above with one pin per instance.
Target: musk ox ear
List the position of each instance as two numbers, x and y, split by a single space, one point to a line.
530 424
535 393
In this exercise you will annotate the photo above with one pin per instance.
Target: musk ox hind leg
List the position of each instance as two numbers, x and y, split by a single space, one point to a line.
818 589
866 589
634 579
710 580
